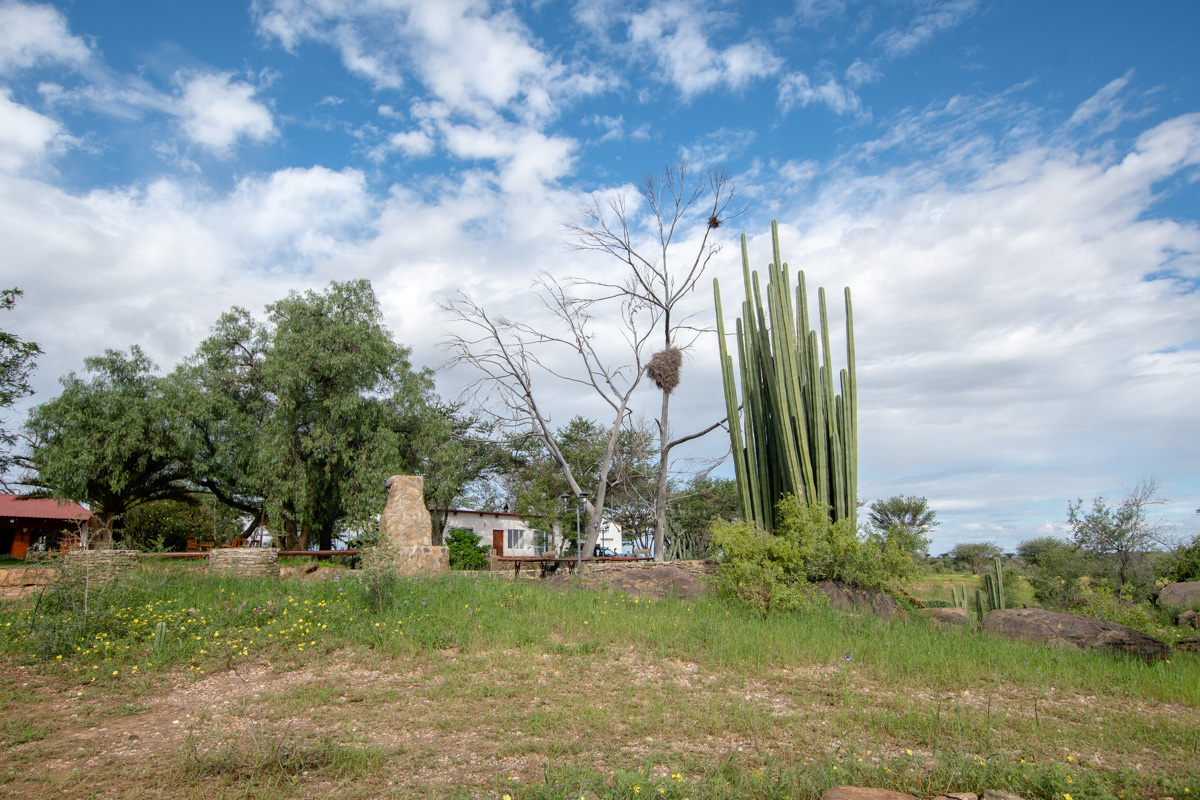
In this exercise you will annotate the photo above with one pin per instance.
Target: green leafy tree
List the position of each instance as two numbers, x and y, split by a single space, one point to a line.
1125 532
693 509
17 362
1055 569
906 521
975 555
300 418
109 440
166 525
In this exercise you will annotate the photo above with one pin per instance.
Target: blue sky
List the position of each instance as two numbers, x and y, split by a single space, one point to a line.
1009 188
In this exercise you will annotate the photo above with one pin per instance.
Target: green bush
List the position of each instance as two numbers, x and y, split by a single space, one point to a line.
1098 600
465 550
1184 564
775 570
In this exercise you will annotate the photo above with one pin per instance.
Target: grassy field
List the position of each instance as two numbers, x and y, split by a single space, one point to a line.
469 686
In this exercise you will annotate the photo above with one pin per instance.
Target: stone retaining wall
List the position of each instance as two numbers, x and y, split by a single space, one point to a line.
244 562
27 576
100 564
698 568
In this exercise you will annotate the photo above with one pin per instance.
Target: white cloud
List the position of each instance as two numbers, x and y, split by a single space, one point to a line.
473 59
32 35
897 43
25 135
797 89
861 73
1104 110
676 33
414 144
216 112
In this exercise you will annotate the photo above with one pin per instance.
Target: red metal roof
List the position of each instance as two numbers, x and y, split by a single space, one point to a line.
15 505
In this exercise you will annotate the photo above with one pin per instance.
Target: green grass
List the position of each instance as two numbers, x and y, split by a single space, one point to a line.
605 693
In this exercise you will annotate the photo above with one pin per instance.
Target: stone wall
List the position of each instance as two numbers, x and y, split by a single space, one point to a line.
697 568
100 564
27 576
247 562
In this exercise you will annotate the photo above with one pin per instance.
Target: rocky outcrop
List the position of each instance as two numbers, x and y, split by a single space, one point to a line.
863 793
648 580
1180 595
947 617
858 601
1050 627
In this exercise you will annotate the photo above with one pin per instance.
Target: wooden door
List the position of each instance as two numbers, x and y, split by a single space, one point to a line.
498 543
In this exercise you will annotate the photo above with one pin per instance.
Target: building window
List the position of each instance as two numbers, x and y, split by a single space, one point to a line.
516 540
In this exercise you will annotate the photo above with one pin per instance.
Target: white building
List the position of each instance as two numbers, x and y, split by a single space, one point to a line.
513 535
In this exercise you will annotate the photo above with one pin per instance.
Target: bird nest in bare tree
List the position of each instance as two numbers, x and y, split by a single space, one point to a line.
664 368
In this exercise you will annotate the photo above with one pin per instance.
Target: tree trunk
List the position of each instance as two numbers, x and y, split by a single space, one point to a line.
660 500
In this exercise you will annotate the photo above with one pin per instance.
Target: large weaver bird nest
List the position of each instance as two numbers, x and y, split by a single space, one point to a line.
664 368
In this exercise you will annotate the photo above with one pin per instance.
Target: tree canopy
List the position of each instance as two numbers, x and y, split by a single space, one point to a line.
108 440
300 418
17 361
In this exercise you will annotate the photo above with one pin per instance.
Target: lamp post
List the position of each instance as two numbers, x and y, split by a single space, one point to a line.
582 497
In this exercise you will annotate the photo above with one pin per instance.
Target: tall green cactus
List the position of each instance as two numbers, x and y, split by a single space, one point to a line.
792 433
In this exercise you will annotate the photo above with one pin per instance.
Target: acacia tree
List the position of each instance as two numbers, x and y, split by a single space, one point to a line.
975 554
16 364
904 520
677 201
510 355
110 440
1126 532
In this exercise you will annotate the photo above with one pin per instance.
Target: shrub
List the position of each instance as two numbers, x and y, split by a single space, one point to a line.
165 525
1184 563
774 570
1098 600
465 550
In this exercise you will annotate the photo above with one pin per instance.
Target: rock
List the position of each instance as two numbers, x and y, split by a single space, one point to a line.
651 581
1188 645
945 617
1039 625
996 794
957 796
1180 595
855 600
863 793
1188 618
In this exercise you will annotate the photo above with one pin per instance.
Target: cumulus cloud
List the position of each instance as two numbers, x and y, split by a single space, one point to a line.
25 135
216 112
676 33
473 59
33 35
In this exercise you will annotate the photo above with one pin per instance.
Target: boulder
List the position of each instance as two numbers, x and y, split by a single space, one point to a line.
863 793
1188 618
855 600
656 581
1039 625
945 617
1180 595
996 794
1188 645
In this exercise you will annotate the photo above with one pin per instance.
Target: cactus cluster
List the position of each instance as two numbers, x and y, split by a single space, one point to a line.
791 433
994 587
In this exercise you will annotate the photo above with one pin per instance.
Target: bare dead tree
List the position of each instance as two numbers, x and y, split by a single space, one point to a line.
653 276
509 354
